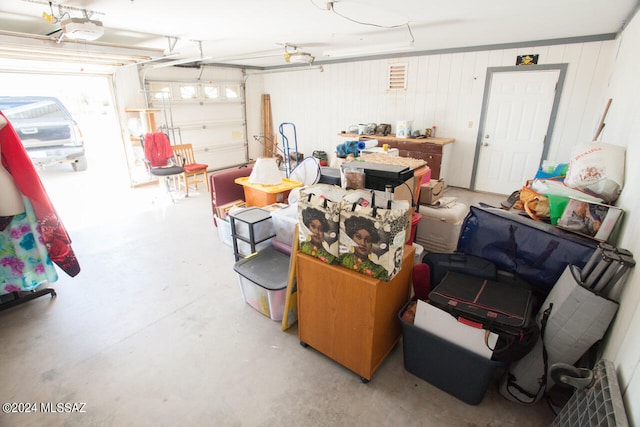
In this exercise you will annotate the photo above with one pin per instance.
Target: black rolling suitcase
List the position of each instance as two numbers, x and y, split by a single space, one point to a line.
441 263
498 306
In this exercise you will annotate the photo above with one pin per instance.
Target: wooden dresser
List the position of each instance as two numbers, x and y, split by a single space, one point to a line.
434 151
350 317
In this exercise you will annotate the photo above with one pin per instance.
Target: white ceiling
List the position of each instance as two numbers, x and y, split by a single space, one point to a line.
254 32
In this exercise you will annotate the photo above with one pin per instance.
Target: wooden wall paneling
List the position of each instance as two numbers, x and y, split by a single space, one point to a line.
495 58
316 81
509 57
412 93
403 97
596 91
432 89
333 90
383 97
306 112
469 96
451 124
334 120
338 103
392 112
418 118
555 54
360 109
583 84
442 90
364 111
420 122
335 99
379 81
371 82
353 99
311 132
566 120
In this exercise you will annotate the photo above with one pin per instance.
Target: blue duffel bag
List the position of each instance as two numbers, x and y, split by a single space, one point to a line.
536 251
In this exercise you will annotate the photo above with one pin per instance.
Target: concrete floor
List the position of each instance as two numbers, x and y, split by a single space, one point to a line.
154 332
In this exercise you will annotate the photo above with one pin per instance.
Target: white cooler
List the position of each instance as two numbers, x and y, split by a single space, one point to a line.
439 228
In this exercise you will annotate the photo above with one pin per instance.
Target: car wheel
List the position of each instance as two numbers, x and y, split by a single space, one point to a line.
80 164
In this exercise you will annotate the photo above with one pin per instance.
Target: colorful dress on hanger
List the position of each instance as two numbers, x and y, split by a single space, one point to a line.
38 225
24 260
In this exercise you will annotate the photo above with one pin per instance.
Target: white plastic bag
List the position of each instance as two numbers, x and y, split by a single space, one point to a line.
598 169
557 188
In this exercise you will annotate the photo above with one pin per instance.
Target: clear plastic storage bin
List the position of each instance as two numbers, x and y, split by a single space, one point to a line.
263 281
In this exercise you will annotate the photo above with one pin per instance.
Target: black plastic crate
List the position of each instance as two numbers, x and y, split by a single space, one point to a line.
453 369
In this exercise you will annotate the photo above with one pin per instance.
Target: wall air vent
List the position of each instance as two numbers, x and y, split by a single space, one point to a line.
397 77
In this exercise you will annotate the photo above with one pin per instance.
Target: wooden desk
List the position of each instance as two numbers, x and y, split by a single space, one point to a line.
349 317
431 150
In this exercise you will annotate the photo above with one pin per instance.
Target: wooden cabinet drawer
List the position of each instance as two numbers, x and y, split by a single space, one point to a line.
420 147
433 160
431 150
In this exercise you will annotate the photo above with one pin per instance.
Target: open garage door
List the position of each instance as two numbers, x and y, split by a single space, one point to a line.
89 100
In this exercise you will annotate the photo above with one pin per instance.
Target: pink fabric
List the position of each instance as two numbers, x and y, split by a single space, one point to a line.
157 149
17 162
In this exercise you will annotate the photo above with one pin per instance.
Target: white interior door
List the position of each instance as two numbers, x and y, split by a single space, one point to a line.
514 130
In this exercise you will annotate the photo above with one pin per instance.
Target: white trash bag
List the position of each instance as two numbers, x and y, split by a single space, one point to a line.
598 169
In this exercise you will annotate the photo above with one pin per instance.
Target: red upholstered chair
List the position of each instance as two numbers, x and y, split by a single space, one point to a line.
223 188
194 173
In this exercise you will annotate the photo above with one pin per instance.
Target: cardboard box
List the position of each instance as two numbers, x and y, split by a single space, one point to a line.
222 211
431 191
595 220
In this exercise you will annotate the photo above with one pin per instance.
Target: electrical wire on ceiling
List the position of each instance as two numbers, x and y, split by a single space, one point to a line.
330 6
63 11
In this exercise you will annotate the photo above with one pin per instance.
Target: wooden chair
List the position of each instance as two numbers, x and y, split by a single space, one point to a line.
194 173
